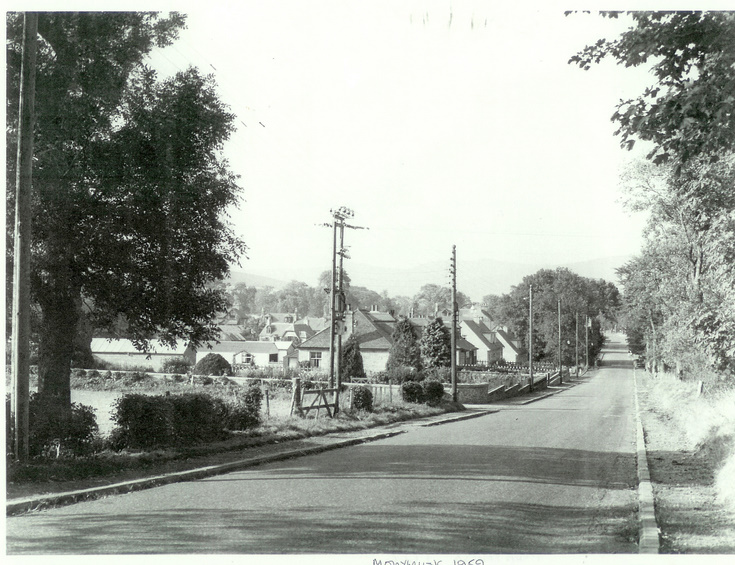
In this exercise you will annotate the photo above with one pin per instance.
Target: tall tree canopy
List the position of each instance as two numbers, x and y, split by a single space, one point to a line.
690 111
580 297
130 190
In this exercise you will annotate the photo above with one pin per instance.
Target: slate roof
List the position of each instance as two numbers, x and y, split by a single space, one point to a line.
506 340
105 345
232 332
240 346
373 334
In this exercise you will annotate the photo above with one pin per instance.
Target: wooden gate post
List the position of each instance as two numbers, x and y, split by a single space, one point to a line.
296 396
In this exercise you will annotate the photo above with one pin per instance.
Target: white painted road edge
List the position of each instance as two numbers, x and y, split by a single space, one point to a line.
648 539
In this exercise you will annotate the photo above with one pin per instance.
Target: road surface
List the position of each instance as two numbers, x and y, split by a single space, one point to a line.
553 476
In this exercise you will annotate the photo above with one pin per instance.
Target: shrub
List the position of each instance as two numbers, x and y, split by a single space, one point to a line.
433 392
362 399
244 410
51 433
176 365
142 421
412 392
441 374
196 418
213 365
402 373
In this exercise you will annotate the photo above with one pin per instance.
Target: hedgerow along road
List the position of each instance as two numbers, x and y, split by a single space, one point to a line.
554 476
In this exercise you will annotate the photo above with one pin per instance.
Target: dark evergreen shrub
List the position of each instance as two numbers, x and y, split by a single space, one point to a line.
213 365
362 399
433 392
412 392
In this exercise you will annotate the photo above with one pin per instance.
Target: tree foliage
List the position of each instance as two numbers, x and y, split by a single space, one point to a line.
580 297
351 365
130 188
405 350
690 111
678 292
436 345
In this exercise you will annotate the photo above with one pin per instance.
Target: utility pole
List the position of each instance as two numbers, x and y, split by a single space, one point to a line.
587 343
558 309
22 243
337 303
453 271
332 301
530 338
340 306
576 344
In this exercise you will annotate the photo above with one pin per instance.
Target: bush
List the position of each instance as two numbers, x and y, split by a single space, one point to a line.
213 365
362 399
433 392
412 392
52 434
441 374
402 373
142 421
176 365
244 411
196 418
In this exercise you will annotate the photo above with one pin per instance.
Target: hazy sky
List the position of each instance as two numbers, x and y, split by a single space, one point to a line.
438 123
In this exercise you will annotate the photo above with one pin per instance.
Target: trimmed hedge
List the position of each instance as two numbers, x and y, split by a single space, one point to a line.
147 421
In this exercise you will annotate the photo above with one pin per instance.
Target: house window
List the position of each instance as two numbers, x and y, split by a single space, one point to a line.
315 359
247 359
273 358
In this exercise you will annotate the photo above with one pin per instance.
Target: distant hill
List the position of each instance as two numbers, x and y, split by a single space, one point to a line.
475 278
258 281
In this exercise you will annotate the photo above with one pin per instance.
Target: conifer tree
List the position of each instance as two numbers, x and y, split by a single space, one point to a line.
405 351
351 365
436 345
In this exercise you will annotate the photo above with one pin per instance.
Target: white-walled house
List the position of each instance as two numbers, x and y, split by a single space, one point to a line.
121 353
251 353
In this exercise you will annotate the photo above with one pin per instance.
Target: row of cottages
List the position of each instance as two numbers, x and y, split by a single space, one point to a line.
374 330
275 346
494 342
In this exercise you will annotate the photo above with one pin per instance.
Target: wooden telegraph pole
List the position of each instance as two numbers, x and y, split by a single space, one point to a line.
530 338
453 270
22 244
332 302
337 305
587 343
576 344
559 317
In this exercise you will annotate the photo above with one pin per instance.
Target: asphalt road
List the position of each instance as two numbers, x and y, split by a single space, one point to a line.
553 476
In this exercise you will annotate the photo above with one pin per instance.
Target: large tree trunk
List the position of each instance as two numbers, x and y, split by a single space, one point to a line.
56 347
